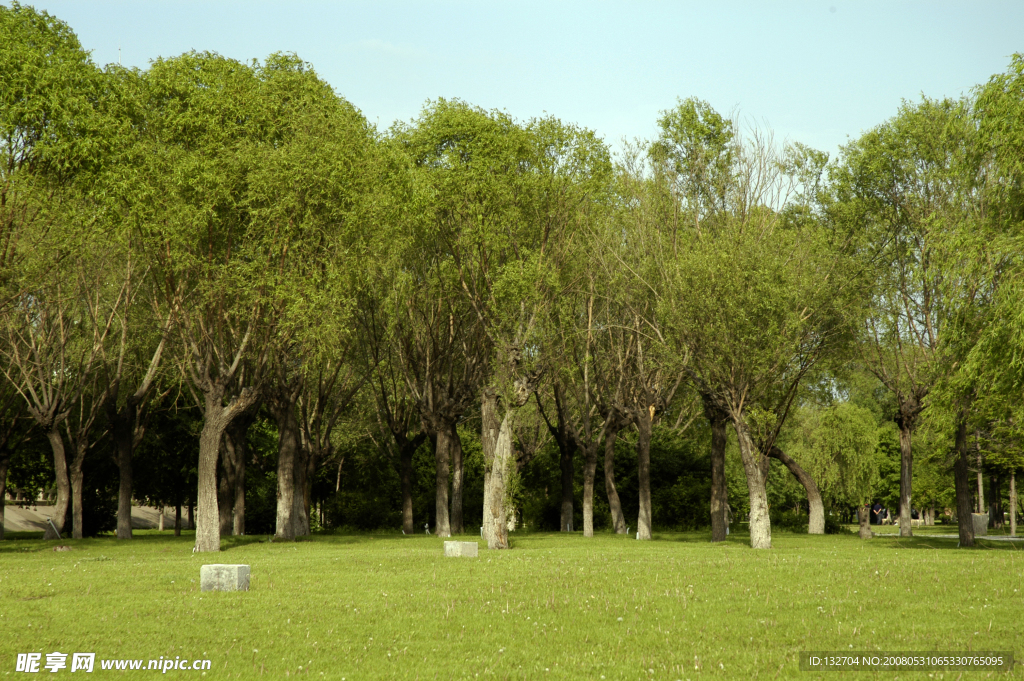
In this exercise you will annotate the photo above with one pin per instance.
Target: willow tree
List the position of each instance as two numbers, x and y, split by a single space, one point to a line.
575 176
50 143
901 184
692 162
753 301
308 180
999 356
494 188
838 444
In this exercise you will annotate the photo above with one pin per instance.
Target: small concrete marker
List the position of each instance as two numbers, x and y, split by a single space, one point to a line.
220 577
980 521
461 549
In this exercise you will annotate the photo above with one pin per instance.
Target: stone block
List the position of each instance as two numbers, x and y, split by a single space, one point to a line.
221 577
461 549
980 524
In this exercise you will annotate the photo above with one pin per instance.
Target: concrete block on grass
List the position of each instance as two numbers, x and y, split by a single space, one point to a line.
461 549
980 524
224 578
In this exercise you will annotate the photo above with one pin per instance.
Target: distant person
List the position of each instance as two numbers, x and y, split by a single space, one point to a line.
876 514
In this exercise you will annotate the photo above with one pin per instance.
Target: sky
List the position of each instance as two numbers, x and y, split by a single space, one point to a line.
814 72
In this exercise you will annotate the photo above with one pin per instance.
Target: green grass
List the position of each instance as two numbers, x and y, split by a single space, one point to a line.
555 607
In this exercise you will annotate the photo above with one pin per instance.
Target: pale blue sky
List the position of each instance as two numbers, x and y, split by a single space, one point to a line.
815 72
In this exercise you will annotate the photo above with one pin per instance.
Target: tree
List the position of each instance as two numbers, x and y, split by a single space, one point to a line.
839 445
753 301
900 182
203 120
50 140
495 188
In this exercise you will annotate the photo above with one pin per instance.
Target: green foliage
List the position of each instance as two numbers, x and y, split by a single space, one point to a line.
838 445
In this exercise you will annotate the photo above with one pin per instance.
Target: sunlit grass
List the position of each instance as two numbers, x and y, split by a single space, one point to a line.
556 606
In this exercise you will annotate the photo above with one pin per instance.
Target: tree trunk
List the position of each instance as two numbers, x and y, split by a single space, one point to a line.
1013 503
5 460
238 516
589 473
566 450
287 453
236 441
760 523
300 500
122 430
643 460
77 481
618 520
816 524
442 454
996 482
177 519
489 430
981 479
962 483
500 469
208 511
191 517
457 478
719 492
60 508
906 478
864 517
226 487
405 469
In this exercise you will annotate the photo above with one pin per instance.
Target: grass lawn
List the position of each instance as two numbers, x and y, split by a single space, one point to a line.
555 607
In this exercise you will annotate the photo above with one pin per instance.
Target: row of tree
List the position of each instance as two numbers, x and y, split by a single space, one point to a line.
236 237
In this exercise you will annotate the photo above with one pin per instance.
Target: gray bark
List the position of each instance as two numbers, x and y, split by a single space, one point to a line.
236 439
816 521
442 463
123 440
300 501
719 491
5 460
405 471
489 429
589 473
864 517
226 488
568 474
962 483
77 480
1013 503
643 457
457 480
60 508
207 511
283 409
217 417
501 466
981 479
614 504
906 477
753 466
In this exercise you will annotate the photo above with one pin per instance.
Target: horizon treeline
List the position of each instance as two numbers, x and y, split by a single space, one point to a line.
221 287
